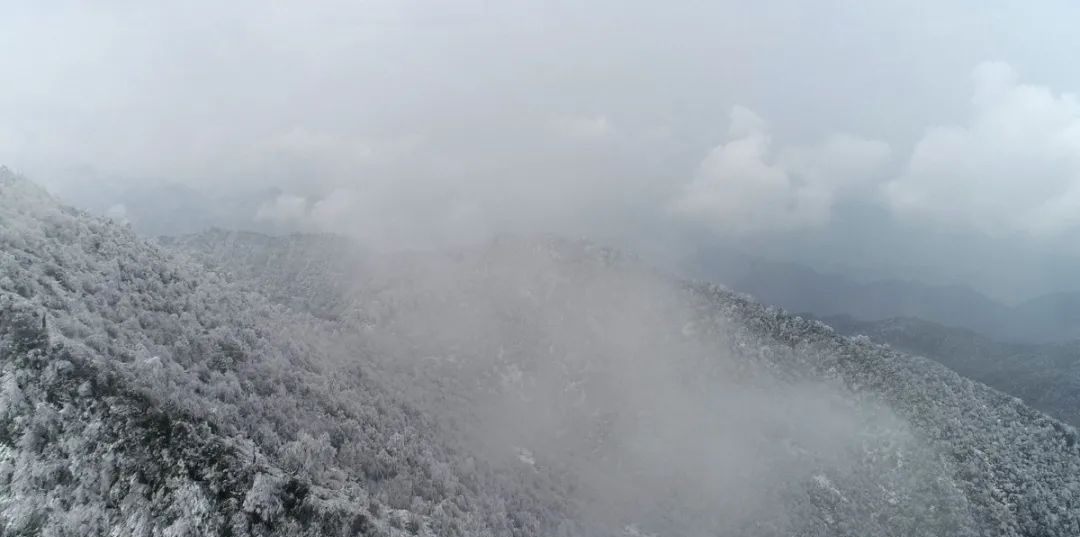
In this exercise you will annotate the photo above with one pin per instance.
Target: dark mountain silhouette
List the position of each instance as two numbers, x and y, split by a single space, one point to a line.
1049 318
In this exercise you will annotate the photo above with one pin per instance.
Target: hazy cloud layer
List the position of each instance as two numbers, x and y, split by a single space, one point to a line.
417 123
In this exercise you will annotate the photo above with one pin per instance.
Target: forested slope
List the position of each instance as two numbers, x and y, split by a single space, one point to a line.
1045 375
1017 470
176 351
250 385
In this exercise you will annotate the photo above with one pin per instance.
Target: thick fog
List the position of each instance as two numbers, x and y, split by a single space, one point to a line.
561 362
885 139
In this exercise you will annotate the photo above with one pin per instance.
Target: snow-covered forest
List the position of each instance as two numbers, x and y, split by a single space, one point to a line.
539 268
240 384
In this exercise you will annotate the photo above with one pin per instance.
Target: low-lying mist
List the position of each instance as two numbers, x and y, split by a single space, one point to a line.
568 361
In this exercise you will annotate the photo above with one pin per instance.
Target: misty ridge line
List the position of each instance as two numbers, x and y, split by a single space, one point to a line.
1046 318
1043 319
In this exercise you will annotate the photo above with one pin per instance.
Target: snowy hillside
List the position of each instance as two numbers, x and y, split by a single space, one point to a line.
237 384
156 389
1045 375
1016 470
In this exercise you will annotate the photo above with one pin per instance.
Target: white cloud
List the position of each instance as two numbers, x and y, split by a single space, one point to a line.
1013 168
840 162
285 209
398 217
583 127
746 186
744 123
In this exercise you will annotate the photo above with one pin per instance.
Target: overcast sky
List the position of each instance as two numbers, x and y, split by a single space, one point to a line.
939 141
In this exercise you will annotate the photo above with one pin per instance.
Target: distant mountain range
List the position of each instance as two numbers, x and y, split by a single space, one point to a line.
1049 318
1045 375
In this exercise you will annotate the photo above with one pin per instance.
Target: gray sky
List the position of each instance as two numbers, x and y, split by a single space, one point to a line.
937 141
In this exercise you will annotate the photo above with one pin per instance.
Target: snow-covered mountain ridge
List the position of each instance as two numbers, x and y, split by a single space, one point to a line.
243 385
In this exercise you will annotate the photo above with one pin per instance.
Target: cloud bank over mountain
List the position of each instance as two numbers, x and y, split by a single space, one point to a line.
1014 166
420 124
746 185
